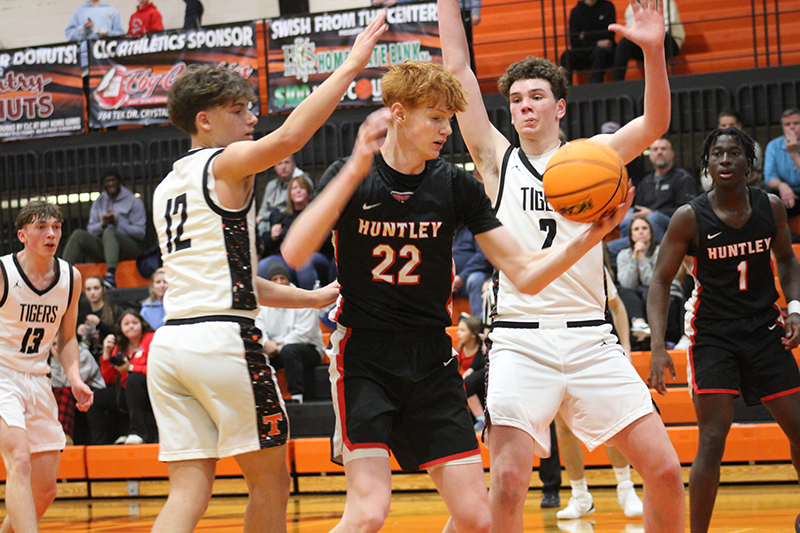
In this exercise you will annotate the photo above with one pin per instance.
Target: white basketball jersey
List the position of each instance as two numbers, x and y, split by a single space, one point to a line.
208 251
577 294
29 317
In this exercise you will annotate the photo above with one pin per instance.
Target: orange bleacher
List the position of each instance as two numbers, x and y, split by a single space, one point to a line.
127 275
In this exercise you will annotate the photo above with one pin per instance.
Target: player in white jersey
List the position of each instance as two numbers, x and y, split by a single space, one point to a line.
551 352
212 389
38 304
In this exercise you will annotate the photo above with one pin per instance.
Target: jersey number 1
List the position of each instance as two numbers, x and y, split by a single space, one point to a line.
174 206
742 268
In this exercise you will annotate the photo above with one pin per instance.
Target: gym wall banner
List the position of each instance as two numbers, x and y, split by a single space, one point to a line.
303 50
129 78
41 92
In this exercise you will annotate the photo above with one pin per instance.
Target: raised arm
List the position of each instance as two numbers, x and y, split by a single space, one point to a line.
531 271
647 32
681 232
316 221
788 270
485 143
243 159
68 347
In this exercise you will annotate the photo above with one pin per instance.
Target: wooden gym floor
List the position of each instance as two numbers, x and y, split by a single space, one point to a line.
739 509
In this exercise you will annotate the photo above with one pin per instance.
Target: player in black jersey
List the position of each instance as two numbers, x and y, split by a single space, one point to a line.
740 343
394 380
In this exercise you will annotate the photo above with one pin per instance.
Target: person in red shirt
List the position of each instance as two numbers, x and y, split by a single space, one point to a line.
146 19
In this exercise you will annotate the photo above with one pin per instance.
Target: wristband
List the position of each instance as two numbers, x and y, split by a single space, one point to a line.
793 307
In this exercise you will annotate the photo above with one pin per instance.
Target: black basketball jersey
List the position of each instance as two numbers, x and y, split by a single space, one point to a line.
733 267
395 258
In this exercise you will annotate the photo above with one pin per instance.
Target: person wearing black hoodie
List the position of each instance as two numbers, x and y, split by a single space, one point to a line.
591 43
192 20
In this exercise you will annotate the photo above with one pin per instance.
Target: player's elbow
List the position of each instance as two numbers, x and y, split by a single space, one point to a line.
293 257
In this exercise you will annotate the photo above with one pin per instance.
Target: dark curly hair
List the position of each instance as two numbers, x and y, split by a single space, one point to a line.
202 87
741 138
532 68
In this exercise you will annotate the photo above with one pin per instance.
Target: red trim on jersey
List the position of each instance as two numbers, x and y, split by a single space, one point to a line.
449 458
716 391
339 299
780 394
452 279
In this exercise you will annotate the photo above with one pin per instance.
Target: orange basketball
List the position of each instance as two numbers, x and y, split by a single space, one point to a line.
584 180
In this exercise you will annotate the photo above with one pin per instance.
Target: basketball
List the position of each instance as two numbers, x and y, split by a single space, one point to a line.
584 180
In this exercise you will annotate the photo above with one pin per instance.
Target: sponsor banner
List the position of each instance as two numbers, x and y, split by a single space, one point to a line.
305 50
129 78
41 92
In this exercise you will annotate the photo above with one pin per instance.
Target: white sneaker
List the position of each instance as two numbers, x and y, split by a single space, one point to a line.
578 506
628 500
134 439
683 344
121 439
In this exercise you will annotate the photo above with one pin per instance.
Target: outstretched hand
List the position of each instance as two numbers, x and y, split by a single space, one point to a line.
371 135
366 40
648 28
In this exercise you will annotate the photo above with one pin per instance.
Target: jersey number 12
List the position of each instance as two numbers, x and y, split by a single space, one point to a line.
175 206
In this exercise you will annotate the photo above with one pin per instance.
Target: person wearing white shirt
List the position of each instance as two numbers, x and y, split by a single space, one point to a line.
292 338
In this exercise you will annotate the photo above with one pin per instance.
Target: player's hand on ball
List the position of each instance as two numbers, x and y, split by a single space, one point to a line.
611 220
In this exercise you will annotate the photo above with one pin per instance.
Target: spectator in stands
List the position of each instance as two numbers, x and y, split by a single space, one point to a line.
474 7
591 42
316 271
153 307
472 364
146 19
782 162
127 352
292 340
116 228
97 315
193 18
634 269
93 20
627 49
472 270
728 118
658 195
67 407
276 192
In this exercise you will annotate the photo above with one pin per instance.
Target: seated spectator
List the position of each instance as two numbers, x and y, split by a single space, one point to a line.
658 195
634 269
591 42
472 365
782 162
276 192
146 19
116 228
730 118
193 17
126 352
472 270
673 40
108 415
67 408
314 273
97 315
292 340
153 307
92 20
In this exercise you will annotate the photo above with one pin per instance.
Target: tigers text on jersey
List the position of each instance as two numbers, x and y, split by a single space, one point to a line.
29 317
208 251
733 267
395 258
521 206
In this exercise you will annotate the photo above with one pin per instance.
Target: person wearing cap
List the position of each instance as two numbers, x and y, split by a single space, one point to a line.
292 339
116 230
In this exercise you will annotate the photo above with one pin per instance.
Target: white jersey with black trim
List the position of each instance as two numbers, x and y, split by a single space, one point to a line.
579 293
29 317
209 252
